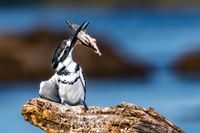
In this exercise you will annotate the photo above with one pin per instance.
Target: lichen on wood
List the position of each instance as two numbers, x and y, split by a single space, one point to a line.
123 118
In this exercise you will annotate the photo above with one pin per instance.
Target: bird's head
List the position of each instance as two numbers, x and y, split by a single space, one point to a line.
65 48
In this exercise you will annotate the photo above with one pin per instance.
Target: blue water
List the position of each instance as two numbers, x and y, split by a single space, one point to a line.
156 36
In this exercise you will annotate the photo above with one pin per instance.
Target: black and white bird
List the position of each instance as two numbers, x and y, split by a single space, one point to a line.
67 86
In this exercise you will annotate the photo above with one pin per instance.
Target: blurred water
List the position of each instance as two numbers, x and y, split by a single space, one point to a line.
177 100
156 36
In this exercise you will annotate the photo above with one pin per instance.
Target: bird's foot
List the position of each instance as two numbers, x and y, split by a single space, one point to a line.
85 105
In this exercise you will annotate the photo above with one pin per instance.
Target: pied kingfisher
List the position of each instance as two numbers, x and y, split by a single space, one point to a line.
67 86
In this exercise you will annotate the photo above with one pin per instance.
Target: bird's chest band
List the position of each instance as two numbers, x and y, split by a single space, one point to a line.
68 82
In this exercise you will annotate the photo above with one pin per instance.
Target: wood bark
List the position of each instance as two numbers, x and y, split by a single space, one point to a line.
123 118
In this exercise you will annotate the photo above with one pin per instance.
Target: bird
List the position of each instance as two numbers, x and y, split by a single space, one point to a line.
68 85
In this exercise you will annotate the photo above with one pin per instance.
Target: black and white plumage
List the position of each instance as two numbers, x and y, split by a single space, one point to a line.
67 85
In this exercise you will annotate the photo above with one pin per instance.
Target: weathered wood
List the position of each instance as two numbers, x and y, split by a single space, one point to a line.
123 118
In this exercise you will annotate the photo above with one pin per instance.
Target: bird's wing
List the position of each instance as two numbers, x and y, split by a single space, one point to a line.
49 90
57 54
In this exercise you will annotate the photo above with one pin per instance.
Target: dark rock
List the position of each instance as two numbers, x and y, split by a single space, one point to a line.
188 65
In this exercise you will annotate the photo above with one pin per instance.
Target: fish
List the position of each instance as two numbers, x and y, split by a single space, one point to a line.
84 37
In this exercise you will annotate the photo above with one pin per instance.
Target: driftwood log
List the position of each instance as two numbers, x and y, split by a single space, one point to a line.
123 118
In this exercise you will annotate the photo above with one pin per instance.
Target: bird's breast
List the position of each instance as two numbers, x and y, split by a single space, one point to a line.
72 92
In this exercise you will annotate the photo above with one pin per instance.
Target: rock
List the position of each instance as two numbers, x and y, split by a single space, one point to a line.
188 65
123 118
28 56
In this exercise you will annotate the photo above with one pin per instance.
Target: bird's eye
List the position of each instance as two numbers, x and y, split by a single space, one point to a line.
67 49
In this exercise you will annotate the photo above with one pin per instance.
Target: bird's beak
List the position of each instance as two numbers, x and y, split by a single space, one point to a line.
82 27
